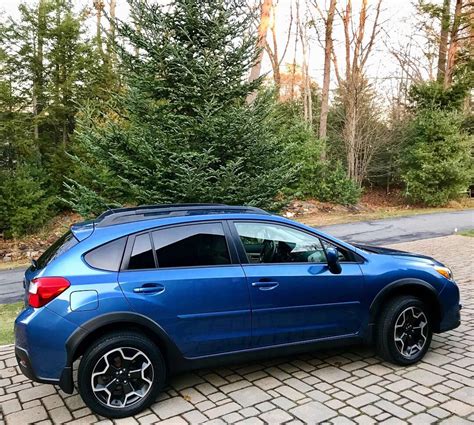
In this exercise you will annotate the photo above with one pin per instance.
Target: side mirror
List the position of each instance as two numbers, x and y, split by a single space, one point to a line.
333 260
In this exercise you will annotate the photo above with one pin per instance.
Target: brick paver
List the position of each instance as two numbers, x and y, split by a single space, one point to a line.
338 386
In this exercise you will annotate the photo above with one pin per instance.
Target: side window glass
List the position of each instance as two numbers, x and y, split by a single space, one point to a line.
273 243
108 256
142 254
191 245
342 253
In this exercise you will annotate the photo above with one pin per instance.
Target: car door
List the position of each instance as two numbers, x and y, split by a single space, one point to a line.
294 297
184 278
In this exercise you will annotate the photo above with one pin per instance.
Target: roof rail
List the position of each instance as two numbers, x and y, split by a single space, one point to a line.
148 212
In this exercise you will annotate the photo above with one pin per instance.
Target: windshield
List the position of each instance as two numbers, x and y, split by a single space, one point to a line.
63 244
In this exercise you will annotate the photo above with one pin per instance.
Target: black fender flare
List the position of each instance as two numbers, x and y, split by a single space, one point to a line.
116 318
396 286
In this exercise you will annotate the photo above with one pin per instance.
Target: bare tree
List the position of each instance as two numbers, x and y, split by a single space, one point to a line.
272 51
357 50
265 8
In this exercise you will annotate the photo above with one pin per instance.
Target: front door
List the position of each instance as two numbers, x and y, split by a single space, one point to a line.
294 297
183 278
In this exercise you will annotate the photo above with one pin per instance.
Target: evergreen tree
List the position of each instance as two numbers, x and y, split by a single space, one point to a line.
182 131
436 164
47 68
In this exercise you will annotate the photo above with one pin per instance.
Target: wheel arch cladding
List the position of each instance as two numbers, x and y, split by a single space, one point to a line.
80 340
414 287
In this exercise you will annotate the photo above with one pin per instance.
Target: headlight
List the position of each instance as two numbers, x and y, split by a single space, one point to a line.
447 273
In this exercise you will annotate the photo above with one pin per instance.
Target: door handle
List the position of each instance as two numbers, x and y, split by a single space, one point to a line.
149 288
264 285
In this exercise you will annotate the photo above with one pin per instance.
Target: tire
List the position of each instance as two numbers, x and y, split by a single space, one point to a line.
404 321
126 363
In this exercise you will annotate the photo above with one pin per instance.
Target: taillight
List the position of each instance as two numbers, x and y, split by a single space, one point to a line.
43 289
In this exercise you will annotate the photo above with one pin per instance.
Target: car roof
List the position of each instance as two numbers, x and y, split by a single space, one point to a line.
145 220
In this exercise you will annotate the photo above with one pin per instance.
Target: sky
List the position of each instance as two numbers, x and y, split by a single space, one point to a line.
397 16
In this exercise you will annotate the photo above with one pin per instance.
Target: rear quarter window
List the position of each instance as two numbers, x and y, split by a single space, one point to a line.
108 256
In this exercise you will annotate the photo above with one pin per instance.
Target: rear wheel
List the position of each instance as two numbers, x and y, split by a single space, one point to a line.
121 374
404 330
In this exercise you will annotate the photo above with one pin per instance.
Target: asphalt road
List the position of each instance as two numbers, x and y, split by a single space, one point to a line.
378 232
403 229
11 286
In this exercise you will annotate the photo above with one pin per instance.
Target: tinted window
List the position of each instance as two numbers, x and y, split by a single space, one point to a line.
63 244
272 243
108 256
142 254
194 245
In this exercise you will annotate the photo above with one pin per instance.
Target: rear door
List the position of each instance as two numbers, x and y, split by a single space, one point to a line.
294 296
188 280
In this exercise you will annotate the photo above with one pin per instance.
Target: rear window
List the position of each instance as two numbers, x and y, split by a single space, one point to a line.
108 256
62 245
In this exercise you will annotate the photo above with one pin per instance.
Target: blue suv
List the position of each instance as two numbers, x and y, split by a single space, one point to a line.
140 293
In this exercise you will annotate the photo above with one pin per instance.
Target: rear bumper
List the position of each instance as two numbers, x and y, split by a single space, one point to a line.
41 356
24 363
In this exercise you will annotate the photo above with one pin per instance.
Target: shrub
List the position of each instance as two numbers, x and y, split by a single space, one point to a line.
324 180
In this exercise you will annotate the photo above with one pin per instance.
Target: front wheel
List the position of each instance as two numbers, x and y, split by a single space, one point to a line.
404 330
121 374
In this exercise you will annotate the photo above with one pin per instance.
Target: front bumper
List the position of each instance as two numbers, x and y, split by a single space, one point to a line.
451 320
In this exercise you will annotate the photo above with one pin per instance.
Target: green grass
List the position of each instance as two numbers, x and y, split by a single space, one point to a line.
469 232
8 313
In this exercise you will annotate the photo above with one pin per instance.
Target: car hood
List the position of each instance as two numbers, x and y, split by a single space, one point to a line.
397 253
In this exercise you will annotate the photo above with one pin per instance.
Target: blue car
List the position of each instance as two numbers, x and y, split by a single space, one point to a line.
141 293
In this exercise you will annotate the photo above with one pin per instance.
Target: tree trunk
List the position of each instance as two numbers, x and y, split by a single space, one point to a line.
99 7
265 9
295 50
38 82
307 98
275 59
110 61
323 120
453 45
112 9
443 41
349 134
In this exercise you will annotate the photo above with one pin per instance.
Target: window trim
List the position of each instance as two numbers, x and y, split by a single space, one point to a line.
233 256
243 254
129 249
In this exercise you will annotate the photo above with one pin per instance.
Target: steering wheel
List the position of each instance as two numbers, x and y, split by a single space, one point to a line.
268 251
